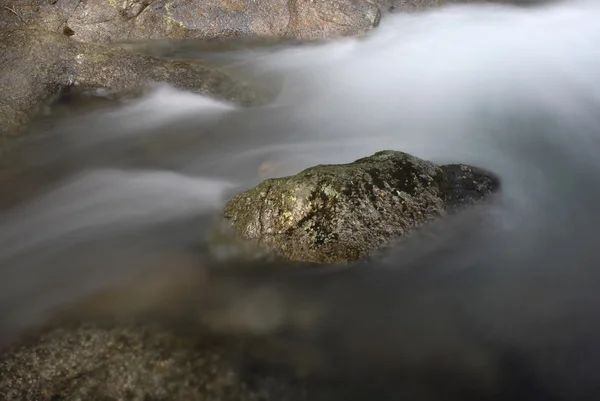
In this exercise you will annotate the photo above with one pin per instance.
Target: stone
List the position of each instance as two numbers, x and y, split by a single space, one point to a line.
467 185
36 65
326 19
341 213
141 363
337 213
106 21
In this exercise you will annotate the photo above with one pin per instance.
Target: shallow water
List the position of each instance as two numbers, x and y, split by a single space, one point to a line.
512 90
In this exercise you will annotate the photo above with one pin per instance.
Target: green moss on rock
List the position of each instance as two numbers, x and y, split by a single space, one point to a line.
139 363
336 213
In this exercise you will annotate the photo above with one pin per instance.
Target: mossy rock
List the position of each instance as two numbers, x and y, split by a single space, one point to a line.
334 213
340 213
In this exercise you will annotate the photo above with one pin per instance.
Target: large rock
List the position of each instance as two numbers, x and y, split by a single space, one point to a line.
105 21
90 363
159 337
108 362
36 65
337 213
148 339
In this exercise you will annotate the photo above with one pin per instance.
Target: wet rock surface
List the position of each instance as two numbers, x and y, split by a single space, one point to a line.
37 65
324 214
337 213
109 20
120 362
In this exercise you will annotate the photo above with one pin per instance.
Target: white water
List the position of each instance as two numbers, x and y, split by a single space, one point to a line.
512 90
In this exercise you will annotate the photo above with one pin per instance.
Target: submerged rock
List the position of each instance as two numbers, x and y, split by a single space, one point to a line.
112 363
109 20
337 213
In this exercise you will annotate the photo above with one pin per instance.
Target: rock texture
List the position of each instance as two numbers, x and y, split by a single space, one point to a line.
467 185
104 21
337 213
313 19
36 65
110 363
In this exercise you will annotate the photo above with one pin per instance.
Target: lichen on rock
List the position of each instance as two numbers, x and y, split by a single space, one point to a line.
337 213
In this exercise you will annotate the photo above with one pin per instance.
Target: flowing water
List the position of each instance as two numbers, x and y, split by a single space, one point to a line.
512 90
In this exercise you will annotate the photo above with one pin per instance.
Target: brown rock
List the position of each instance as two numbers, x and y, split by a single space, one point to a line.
110 363
314 19
110 20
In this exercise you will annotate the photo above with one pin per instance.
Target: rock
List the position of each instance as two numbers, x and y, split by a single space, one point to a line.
92 362
36 65
110 20
224 245
113 363
326 19
337 213
467 185
147 339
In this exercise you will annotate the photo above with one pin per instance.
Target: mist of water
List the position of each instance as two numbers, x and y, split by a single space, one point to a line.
511 90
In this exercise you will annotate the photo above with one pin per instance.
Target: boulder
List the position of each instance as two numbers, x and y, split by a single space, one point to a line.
121 362
118 363
337 213
105 21
36 65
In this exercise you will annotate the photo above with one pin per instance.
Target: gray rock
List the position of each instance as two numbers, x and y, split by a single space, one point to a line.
36 65
467 185
110 20
337 213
